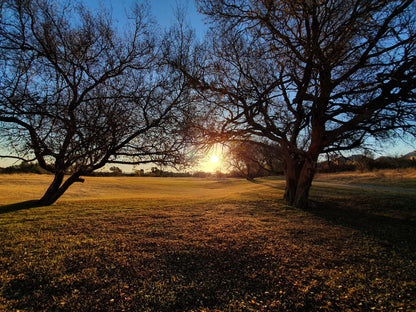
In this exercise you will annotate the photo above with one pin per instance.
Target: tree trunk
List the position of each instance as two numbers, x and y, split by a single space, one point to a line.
292 171
58 188
304 184
299 175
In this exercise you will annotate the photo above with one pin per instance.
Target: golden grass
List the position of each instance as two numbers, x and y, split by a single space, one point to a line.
386 177
16 188
23 187
173 244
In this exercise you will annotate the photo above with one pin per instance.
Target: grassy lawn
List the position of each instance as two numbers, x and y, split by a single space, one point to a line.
184 244
405 178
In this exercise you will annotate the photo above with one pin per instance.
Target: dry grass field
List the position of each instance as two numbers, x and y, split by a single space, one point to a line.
390 177
22 187
187 244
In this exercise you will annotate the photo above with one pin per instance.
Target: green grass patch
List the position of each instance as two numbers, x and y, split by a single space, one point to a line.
207 245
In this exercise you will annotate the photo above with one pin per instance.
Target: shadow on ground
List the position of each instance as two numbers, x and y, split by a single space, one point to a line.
262 257
392 229
19 206
234 278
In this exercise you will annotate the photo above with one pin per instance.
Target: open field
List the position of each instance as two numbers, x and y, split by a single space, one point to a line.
388 177
186 244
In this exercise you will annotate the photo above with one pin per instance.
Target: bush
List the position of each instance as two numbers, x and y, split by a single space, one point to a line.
24 167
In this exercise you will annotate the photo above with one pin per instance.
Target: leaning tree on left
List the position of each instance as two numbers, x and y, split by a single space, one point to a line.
76 93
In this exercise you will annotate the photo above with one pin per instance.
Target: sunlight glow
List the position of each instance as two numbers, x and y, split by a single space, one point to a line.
214 158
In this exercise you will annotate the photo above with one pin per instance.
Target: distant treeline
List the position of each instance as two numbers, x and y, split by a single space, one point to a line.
154 172
354 163
365 163
24 167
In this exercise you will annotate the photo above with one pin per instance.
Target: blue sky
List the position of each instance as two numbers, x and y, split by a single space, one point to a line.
162 10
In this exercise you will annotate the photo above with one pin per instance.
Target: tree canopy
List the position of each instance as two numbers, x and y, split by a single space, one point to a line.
311 76
77 93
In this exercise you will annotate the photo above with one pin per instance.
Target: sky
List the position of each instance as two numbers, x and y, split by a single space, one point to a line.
164 14
162 10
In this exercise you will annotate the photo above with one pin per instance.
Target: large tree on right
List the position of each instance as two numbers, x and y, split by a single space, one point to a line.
313 76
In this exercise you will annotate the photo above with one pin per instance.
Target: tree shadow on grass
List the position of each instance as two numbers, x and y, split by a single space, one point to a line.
397 232
280 185
240 276
19 206
197 278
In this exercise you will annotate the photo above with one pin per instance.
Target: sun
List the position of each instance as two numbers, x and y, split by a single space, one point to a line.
214 159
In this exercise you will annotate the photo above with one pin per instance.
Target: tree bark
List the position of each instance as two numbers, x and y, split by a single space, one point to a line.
58 188
304 183
299 175
293 166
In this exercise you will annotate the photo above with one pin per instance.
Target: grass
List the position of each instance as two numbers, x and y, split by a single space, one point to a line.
387 177
163 244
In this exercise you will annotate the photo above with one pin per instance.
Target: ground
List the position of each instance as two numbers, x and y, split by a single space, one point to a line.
176 244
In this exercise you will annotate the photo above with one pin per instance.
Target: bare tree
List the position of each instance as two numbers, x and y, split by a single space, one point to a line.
252 159
76 93
310 76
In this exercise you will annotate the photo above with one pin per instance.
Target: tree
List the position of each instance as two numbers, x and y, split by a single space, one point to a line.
311 76
76 93
23 167
116 170
139 172
252 159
